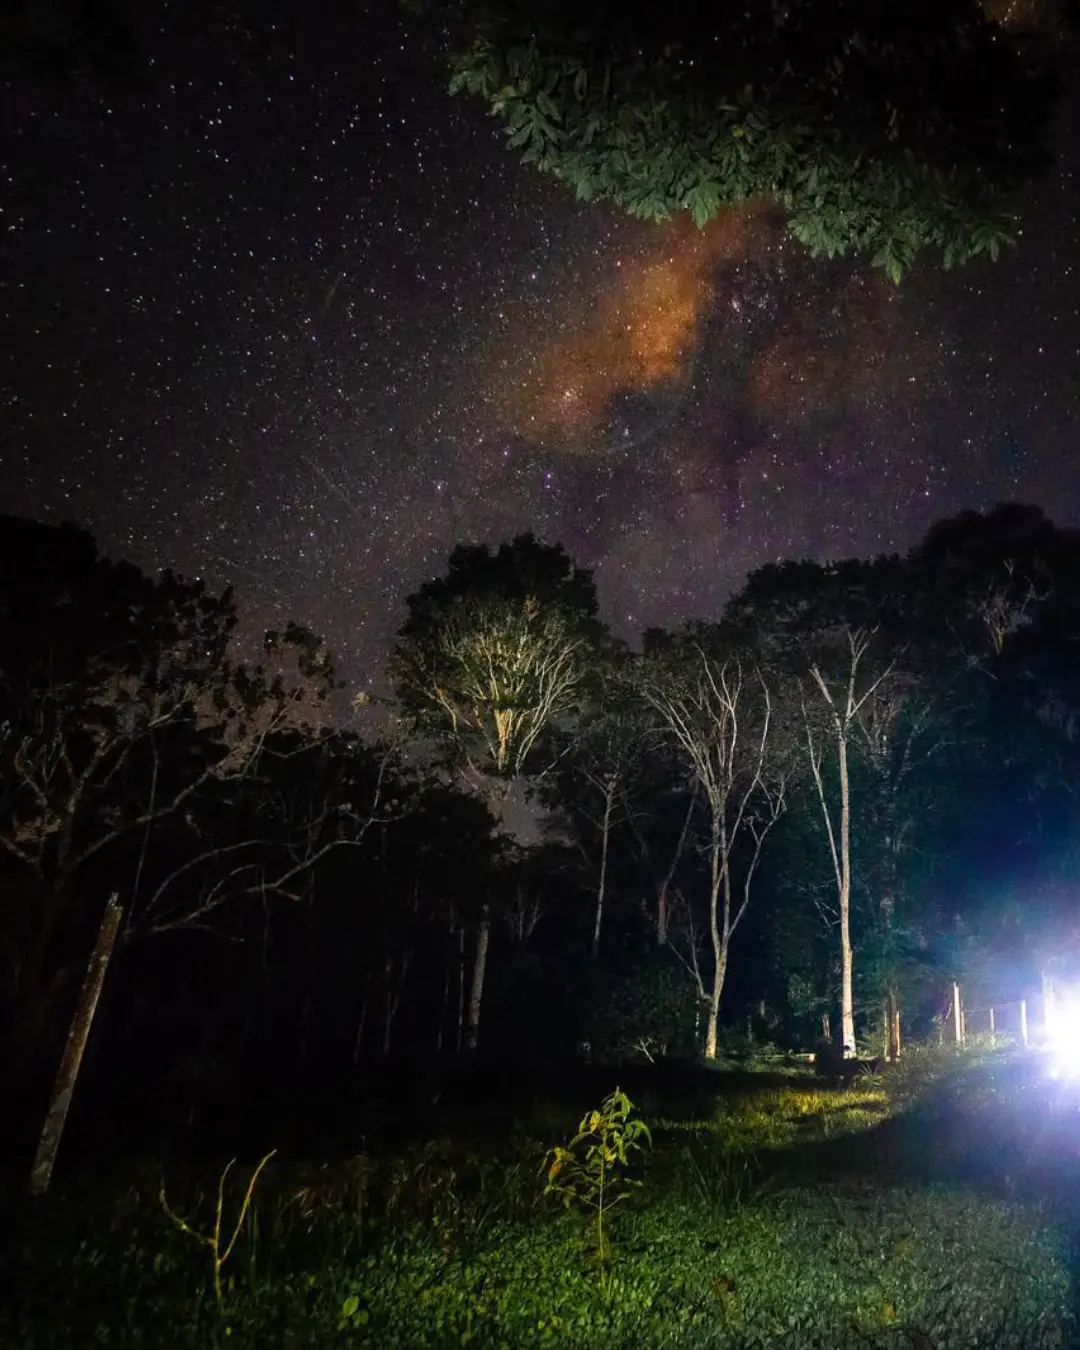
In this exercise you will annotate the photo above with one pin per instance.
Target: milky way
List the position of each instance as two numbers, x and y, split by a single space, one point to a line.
285 315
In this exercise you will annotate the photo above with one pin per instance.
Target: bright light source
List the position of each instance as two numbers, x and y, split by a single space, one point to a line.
1063 1033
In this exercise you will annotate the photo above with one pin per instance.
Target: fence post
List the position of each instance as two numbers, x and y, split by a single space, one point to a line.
78 1033
958 1014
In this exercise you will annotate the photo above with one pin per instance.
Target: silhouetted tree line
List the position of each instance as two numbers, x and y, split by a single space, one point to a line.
855 784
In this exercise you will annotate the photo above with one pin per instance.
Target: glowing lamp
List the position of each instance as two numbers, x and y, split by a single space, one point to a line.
1063 1032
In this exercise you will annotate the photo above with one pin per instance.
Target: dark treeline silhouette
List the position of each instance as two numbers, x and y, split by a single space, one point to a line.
851 787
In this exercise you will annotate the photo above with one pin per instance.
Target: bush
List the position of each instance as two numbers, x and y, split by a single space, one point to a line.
642 1013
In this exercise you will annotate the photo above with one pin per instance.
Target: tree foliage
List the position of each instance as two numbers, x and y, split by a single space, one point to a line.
493 653
880 130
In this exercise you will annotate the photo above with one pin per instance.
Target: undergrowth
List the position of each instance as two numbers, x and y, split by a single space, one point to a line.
447 1245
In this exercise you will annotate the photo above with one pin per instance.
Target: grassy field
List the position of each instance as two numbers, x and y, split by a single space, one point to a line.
930 1206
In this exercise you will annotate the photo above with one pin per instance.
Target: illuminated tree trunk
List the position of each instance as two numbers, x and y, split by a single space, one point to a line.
720 933
847 1000
476 993
712 1030
894 1026
839 838
78 1034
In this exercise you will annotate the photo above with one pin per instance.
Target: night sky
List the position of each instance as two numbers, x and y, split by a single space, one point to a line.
286 315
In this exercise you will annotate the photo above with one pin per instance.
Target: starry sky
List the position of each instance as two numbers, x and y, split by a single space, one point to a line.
285 315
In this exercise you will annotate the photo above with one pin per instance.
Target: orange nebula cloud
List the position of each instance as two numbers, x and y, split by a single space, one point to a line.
829 360
1041 16
788 346
634 335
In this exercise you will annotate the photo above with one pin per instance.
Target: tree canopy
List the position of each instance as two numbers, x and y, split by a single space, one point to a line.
879 129
881 751
493 651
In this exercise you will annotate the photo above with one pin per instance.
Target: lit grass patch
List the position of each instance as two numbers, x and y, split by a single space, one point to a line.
775 1118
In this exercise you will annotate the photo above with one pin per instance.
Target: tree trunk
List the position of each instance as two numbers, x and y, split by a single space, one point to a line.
78 1034
310 962
460 992
395 988
720 932
847 1001
388 1006
476 994
662 919
602 883
712 1028
663 910
361 1022
444 1008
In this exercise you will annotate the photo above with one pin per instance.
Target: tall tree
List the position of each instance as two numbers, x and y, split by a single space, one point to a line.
1000 611
491 657
717 709
831 631
880 129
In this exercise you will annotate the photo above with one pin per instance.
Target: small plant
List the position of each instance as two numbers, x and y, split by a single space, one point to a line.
218 1254
591 1172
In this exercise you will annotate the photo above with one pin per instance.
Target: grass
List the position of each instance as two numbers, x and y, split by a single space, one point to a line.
918 1209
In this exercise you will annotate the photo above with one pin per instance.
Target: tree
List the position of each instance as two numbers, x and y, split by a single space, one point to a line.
122 719
831 633
717 709
500 674
999 613
879 129
307 797
843 703
593 785
490 659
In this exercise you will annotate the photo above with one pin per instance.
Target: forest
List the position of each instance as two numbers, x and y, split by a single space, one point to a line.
544 861
857 781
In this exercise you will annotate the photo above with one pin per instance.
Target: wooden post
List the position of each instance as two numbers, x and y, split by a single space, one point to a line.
958 1014
1023 1022
892 1026
78 1033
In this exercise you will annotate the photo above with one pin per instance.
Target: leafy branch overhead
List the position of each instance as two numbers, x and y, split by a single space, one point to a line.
880 130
